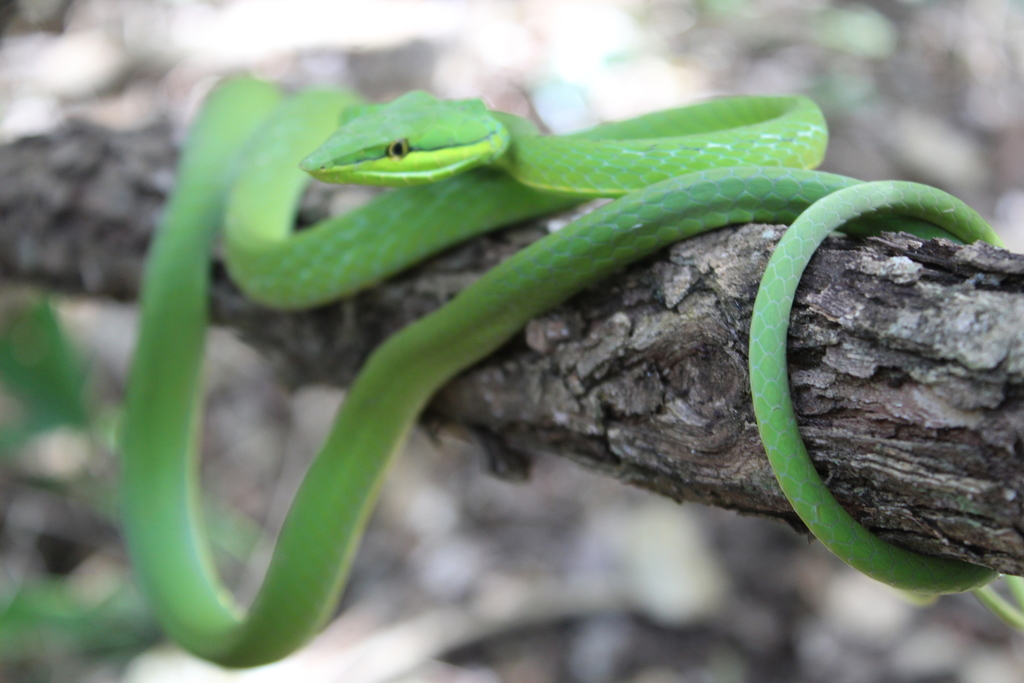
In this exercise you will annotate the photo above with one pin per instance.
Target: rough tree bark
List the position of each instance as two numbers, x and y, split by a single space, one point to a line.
907 358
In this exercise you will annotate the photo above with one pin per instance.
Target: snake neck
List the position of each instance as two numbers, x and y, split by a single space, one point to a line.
611 160
519 130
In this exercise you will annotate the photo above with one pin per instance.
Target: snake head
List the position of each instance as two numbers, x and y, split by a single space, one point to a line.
413 140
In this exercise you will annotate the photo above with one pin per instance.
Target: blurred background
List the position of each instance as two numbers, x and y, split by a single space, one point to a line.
463 578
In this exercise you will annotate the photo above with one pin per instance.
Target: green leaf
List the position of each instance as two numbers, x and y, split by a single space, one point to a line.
49 615
44 372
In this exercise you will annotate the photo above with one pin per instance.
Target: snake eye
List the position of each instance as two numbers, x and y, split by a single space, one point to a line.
398 149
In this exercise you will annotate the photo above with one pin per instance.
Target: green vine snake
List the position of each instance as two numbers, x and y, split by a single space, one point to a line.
459 170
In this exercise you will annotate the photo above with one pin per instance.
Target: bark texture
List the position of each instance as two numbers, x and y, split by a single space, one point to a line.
907 358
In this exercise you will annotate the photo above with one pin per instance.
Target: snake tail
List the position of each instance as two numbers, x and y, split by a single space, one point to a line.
769 381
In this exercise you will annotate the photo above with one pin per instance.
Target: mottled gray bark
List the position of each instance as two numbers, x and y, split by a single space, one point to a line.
907 358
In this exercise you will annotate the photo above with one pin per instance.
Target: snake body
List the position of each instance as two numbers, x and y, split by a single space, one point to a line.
676 174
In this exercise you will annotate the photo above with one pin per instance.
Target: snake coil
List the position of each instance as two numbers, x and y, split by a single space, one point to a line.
460 170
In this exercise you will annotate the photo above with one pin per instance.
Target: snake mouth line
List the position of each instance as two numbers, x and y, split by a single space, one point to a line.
489 146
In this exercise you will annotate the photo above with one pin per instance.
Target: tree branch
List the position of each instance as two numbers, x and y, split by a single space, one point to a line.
907 358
